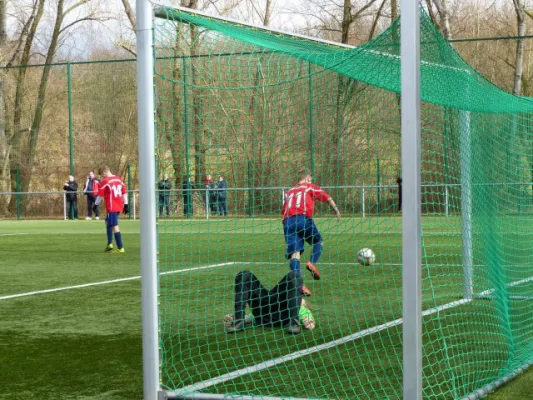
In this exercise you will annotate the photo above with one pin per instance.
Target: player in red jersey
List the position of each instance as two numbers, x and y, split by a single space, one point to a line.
113 191
298 225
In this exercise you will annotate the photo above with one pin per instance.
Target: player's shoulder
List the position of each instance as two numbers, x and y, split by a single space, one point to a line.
115 179
312 186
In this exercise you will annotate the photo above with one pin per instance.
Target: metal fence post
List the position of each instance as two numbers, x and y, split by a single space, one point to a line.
378 184
446 200
206 204
250 191
363 205
70 117
18 193
311 128
129 188
134 207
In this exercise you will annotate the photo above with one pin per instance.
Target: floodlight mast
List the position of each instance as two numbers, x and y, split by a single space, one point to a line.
411 221
147 173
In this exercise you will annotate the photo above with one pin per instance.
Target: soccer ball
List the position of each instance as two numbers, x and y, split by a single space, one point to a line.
366 256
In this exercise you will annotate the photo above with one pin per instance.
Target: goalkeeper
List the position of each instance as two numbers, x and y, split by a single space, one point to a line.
282 305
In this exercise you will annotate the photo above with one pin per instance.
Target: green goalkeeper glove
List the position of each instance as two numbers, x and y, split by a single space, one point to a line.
306 318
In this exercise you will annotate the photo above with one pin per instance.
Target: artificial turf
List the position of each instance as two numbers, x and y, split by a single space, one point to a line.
85 342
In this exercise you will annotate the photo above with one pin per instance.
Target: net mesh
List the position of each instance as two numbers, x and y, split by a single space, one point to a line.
255 107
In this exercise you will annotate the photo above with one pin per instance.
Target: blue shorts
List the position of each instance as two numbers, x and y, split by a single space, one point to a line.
111 219
299 229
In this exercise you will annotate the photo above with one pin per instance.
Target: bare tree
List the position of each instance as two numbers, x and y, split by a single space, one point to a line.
443 9
259 104
3 33
3 142
393 10
129 13
338 21
349 16
24 159
378 15
16 133
4 157
519 61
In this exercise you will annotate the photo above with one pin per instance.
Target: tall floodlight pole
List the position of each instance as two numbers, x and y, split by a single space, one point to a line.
149 282
411 230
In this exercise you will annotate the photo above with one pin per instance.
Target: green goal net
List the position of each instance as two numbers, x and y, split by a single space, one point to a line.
255 107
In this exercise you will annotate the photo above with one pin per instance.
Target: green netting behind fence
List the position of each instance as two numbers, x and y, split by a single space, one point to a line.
255 107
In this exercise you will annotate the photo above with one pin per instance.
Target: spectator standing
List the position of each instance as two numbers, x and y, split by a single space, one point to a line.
91 191
71 189
211 194
164 195
399 182
187 197
222 194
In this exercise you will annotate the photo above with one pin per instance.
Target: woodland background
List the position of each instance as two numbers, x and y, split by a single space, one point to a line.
47 50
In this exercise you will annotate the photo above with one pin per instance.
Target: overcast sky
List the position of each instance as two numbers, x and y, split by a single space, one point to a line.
85 39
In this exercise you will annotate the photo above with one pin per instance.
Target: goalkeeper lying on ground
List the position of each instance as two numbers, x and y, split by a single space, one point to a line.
282 305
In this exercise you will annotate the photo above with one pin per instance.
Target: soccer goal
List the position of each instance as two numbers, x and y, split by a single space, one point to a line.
238 111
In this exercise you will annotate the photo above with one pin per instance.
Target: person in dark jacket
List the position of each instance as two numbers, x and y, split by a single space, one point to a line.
91 191
222 195
212 194
71 188
164 187
277 306
399 182
187 187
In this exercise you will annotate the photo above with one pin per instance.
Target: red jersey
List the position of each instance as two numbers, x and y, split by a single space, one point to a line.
300 200
112 189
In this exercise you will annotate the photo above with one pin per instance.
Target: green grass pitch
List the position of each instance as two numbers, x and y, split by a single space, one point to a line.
85 342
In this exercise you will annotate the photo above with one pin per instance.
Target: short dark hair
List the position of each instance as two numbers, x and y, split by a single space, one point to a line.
304 173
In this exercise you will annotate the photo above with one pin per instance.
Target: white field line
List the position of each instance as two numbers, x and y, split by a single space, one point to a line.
13 234
131 278
377 264
358 335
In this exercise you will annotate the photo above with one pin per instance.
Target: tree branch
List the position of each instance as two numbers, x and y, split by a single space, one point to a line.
362 9
129 14
127 48
375 23
74 6
81 20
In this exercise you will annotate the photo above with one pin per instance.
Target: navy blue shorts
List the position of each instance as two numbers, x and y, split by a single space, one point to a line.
299 229
111 219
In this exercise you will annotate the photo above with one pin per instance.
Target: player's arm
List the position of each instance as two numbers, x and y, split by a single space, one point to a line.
126 209
101 194
321 195
335 208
